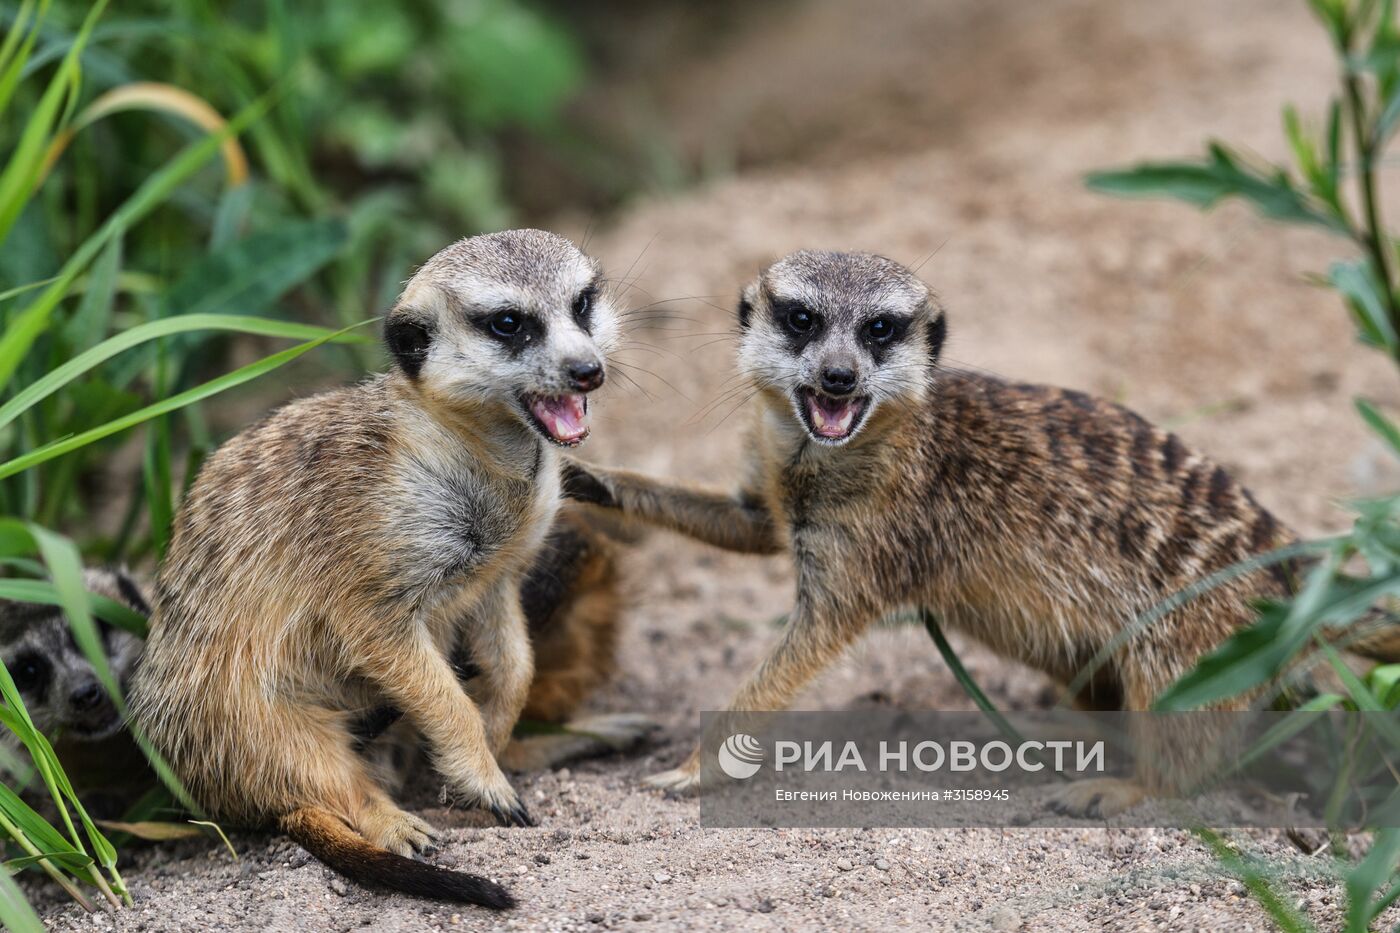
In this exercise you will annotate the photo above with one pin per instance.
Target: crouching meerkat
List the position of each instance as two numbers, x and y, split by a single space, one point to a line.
64 697
328 561
1038 520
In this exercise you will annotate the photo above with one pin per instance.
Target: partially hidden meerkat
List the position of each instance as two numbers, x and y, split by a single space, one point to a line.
328 561
1038 520
61 690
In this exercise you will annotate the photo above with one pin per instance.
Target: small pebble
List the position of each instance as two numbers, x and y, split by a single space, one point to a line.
661 877
641 916
595 917
541 859
881 865
844 864
338 886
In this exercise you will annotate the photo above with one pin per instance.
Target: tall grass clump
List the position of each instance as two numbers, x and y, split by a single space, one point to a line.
183 185
91 347
1332 183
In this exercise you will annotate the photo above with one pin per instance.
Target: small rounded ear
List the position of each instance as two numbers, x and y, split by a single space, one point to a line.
131 592
408 340
745 312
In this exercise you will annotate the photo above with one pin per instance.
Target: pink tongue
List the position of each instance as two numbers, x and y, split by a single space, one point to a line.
832 417
564 416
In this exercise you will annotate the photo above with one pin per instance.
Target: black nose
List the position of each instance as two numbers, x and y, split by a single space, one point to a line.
586 376
838 380
86 697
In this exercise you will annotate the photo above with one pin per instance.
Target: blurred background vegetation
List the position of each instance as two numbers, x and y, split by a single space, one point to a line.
390 129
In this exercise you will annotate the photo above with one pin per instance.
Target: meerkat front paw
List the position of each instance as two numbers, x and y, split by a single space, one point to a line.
399 832
679 782
497 798
1096 798
578 482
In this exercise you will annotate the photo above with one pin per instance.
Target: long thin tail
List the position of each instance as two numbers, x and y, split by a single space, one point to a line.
326 836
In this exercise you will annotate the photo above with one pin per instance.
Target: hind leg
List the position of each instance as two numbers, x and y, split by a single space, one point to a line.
1171 753
584 737
309 754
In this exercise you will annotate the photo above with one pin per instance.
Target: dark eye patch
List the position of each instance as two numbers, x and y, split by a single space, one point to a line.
512 328
799 323
31 672
880 332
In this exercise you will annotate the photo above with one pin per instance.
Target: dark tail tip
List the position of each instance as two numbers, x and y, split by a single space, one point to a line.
326 836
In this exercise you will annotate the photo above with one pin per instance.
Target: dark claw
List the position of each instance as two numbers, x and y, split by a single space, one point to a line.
429 851
517 815
520 816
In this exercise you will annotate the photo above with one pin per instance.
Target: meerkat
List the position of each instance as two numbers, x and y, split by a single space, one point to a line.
328 560
1038 520
59 687
65 698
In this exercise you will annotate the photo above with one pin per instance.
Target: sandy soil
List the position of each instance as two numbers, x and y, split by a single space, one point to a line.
954 134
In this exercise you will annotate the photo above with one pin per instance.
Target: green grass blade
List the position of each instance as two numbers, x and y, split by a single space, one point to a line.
966 680
198 393
93 316
43 592
1284 915
90 359
66 569
26 326
16 48
1376 869
1186 595
21 173
15 913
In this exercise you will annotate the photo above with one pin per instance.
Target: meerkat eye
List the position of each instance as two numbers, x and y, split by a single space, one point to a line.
880 330
505 323
801 321
583 305
29 671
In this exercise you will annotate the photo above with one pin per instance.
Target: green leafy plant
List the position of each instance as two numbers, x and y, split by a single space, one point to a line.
86 354
1331 184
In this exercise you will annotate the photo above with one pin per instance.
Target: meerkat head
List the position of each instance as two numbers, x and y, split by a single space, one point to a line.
836 335
56 681
518 320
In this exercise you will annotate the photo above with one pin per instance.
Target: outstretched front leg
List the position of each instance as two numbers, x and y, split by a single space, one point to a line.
820 628
736 521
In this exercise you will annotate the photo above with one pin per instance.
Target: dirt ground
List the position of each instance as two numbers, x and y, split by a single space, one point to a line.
954 134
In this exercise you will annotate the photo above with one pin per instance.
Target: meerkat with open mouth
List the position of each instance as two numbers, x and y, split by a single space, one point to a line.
328 561
1038 520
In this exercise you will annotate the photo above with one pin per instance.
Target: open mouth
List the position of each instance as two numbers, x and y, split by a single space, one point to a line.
562 419
831 419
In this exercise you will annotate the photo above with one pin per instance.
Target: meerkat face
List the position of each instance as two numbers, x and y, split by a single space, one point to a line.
57 683
836 335
517 320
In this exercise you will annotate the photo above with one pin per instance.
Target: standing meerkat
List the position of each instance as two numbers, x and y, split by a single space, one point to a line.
328 561
1038 520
